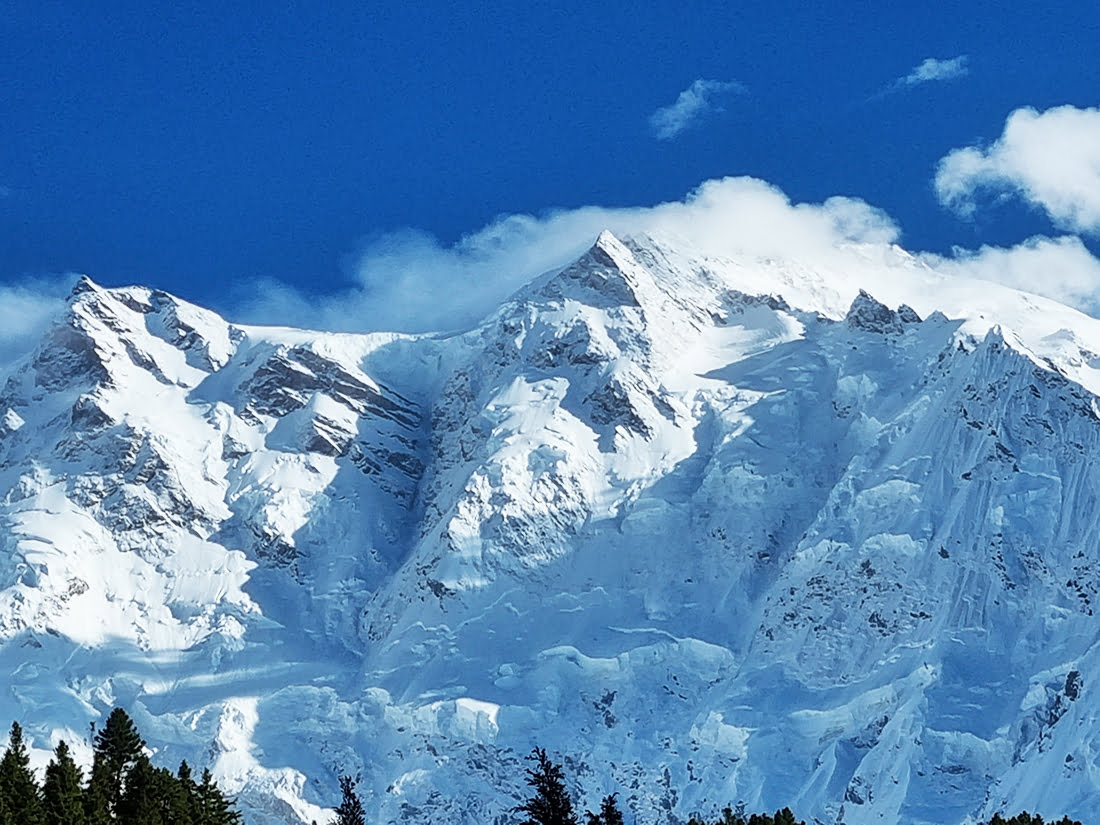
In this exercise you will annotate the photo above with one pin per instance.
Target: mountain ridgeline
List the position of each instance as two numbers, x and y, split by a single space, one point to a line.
729 531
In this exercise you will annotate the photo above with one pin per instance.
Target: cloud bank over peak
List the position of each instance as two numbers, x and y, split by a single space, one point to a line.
1059 268
691 107
1051 159
25 312
408 281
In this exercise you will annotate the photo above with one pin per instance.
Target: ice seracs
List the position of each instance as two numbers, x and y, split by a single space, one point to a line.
713 530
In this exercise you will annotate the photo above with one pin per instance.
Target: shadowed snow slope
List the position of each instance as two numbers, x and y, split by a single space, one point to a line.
712 530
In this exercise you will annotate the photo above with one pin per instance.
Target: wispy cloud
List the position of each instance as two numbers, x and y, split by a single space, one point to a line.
1051 159
1059 268
408 281
26 310
932 70
691 107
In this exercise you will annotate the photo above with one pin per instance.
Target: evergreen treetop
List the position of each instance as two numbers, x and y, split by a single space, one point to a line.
117 748
609 813
18 788
62 792
212 806
351 810
550 803
118 742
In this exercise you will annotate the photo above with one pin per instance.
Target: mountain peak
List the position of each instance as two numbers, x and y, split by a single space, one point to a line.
606 275
871 314
606 238
83 285
611 252
711 532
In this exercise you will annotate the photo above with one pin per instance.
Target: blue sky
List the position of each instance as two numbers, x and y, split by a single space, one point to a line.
226 154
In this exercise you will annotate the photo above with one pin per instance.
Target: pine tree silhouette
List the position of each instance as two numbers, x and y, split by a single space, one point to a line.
550 804
118 746
62 791
214 808
350 811
17 785
139 804
609 813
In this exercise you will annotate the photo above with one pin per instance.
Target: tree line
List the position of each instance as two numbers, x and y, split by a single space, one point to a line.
125 788
122 788
550 804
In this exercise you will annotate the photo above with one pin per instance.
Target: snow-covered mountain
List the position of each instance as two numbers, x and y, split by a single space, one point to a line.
711 531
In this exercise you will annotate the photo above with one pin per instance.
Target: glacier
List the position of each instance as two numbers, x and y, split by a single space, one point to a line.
713 531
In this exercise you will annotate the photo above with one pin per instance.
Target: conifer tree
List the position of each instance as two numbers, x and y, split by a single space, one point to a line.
212 807
119 743
171 792
117 746
153 796
350 811
62 792
139 804
609 813
98 795
18 788
183 774
550 804
190 791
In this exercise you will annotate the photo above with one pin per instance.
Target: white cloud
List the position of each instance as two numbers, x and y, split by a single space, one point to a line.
1051 159
932 70
26 310
1059 268
408 281
691 107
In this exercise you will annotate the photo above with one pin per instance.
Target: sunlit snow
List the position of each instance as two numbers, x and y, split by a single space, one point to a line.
711 531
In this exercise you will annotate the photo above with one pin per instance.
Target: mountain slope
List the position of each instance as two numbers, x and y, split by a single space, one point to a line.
713 530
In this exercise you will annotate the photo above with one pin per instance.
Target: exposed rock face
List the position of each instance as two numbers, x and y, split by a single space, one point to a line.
713 531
